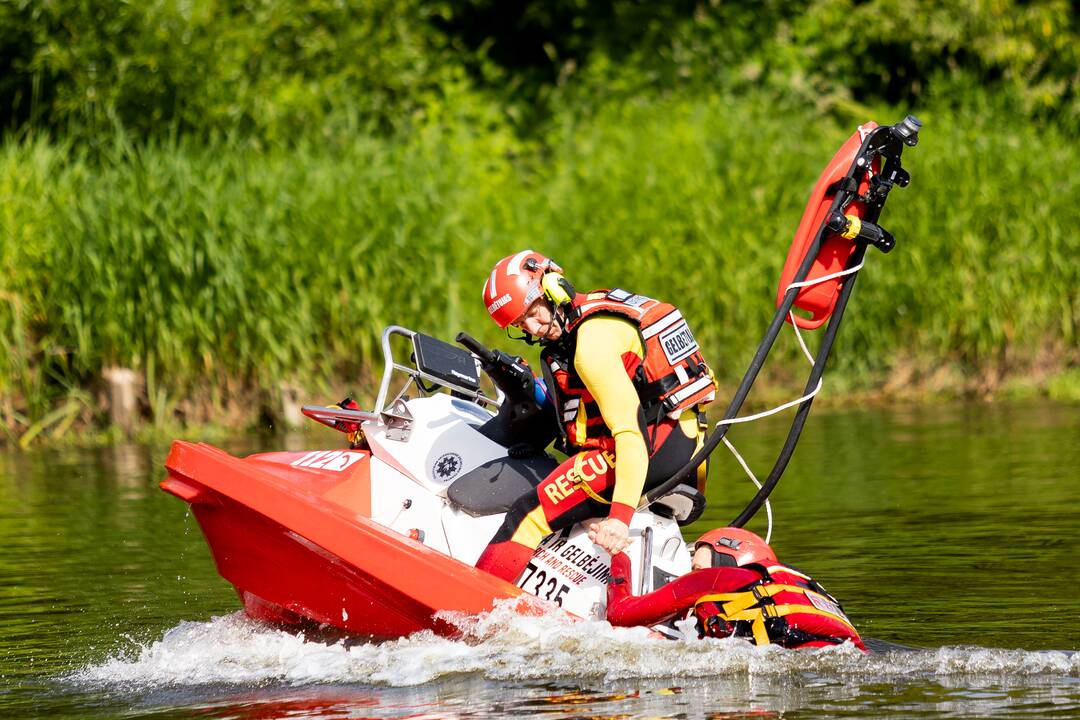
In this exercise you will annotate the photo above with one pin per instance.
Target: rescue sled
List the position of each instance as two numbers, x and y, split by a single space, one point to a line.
377 538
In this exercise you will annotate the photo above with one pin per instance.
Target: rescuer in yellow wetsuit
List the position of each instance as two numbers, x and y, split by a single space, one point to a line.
628 383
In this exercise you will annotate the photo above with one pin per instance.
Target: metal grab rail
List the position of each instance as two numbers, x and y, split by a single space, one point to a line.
415 374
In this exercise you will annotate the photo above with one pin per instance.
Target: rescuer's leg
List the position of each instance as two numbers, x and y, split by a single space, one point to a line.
558 502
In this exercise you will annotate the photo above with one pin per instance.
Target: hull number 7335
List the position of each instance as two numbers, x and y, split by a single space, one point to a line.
543 585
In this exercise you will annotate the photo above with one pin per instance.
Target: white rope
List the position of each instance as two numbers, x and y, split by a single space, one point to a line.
784 406
825 278
753 478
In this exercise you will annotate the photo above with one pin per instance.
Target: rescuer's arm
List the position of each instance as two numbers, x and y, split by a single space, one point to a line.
675 598
604 347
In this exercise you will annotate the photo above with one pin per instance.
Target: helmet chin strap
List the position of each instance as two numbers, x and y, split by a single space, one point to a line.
564 313
557 316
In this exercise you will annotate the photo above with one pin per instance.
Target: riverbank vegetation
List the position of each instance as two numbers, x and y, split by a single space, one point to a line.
233 241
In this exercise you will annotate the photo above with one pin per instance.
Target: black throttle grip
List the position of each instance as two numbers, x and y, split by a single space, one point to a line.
487 356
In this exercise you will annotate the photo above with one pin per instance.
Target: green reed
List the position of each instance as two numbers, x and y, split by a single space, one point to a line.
215 270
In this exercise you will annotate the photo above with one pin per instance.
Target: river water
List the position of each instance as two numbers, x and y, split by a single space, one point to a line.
952 529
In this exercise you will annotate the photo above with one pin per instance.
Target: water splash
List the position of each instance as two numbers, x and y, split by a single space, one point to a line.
506 646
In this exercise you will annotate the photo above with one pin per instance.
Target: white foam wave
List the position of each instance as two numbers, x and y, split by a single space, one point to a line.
505 645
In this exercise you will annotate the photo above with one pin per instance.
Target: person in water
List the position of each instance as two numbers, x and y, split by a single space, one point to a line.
737 588
628 384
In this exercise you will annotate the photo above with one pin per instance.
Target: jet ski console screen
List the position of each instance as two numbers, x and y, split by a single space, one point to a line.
445 362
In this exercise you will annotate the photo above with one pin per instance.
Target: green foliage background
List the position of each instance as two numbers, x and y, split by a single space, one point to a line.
228 195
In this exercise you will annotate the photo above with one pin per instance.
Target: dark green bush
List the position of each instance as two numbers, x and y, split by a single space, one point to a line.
261 69
272 71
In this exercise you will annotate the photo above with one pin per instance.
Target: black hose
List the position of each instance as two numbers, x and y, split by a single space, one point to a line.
758 361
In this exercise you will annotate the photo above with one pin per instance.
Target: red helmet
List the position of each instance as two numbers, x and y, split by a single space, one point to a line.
736 547
514 284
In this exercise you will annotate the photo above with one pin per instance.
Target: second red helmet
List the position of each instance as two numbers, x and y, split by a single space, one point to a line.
737 547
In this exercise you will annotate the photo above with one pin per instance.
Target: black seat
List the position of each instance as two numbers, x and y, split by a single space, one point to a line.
494 486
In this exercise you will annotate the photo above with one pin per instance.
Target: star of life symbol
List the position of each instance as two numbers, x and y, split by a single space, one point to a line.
447 466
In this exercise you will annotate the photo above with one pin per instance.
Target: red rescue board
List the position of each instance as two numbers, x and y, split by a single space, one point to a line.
818 301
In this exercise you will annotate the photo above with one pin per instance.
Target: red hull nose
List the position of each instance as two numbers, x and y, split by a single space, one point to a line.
292 542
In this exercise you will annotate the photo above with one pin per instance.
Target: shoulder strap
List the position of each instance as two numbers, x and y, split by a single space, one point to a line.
556 400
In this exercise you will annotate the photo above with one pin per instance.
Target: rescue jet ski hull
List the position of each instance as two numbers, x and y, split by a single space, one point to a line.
298 544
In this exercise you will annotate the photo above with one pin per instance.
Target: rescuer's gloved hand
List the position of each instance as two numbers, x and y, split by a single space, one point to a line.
710 621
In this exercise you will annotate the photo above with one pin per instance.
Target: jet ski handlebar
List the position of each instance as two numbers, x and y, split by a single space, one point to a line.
509 373
526 422
487 355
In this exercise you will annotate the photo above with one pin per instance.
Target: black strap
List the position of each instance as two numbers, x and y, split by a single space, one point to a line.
556 401
649 392
696 369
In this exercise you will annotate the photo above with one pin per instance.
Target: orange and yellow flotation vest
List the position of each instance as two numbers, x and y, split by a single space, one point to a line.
671 377
785 607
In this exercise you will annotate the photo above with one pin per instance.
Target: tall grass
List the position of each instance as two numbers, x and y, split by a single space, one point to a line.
216 268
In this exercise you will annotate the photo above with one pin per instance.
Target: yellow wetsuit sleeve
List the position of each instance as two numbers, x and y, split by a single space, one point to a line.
601 343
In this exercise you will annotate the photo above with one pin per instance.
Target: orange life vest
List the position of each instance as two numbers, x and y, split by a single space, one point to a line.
671 377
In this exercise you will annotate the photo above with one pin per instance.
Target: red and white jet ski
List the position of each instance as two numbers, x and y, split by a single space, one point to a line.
376 539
